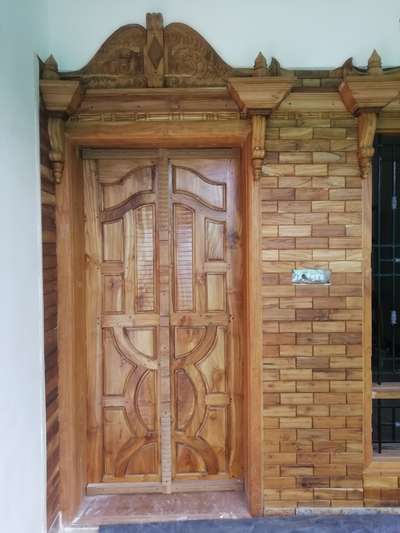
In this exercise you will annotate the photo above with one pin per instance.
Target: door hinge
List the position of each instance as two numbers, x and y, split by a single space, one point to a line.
394 202
393 317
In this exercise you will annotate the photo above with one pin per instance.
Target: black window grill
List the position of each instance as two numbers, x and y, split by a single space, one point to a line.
386 425
386 260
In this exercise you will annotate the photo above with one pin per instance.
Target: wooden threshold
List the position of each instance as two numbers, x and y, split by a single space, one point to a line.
190 485
386 391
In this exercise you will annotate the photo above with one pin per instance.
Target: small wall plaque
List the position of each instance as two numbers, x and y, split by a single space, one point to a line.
311 275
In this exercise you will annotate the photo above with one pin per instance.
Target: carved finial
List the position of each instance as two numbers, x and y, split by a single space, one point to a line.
50 69
260 66
275 67
375 63
154 21
347 66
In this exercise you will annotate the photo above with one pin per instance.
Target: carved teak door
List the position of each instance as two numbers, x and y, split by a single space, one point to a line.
163 245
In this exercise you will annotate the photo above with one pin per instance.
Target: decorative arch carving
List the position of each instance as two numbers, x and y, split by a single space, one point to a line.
175 58
119 62
155 56
191 61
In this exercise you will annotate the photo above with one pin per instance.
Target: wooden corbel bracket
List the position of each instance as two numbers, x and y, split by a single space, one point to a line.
366 134
61 98
257 97
365 96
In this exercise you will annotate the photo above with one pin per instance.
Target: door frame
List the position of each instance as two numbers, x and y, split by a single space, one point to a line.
71 287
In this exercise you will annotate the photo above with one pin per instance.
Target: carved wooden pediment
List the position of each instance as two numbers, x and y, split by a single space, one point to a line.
191 61
118 63
138 57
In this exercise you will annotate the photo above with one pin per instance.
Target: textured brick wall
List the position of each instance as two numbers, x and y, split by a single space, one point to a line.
50 325
382 485
313 405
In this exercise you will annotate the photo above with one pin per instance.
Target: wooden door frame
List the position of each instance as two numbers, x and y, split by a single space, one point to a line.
71 287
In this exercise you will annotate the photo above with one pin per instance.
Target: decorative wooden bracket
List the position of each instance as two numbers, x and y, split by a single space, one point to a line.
257 97
61 98
366 134
258 127
365 96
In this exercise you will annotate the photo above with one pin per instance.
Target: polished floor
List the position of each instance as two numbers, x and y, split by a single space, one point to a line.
125 509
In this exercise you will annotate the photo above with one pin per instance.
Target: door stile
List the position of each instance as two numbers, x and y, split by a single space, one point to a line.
93 321
234 276
164 240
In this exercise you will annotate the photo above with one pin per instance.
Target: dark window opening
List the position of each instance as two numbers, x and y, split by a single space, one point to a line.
386 260
386 425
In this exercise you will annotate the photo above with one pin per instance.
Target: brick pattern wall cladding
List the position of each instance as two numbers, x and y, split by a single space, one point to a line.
382 486
313 402
50 325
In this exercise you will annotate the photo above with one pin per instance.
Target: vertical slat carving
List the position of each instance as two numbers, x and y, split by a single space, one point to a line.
145 283
183 249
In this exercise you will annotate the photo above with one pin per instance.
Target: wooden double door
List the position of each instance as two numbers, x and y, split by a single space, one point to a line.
163 314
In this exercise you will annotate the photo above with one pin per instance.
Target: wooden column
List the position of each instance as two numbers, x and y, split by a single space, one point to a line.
365 96
257 97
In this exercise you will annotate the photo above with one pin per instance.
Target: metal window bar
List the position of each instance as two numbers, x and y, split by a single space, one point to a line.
386 260
386 425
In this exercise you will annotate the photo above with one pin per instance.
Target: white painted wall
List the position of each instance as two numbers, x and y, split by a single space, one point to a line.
299 33
22 419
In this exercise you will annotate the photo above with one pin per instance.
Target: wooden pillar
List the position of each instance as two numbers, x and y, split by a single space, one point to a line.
365 96
257 97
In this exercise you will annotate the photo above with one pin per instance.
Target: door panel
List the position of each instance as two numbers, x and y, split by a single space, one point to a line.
206 306
163 244
122 320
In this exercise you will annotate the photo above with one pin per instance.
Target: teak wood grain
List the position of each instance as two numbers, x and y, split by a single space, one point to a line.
71 334
163 245
75 480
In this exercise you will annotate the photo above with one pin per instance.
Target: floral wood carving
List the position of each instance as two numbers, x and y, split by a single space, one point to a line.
178 56
138 57
118 63
191 61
